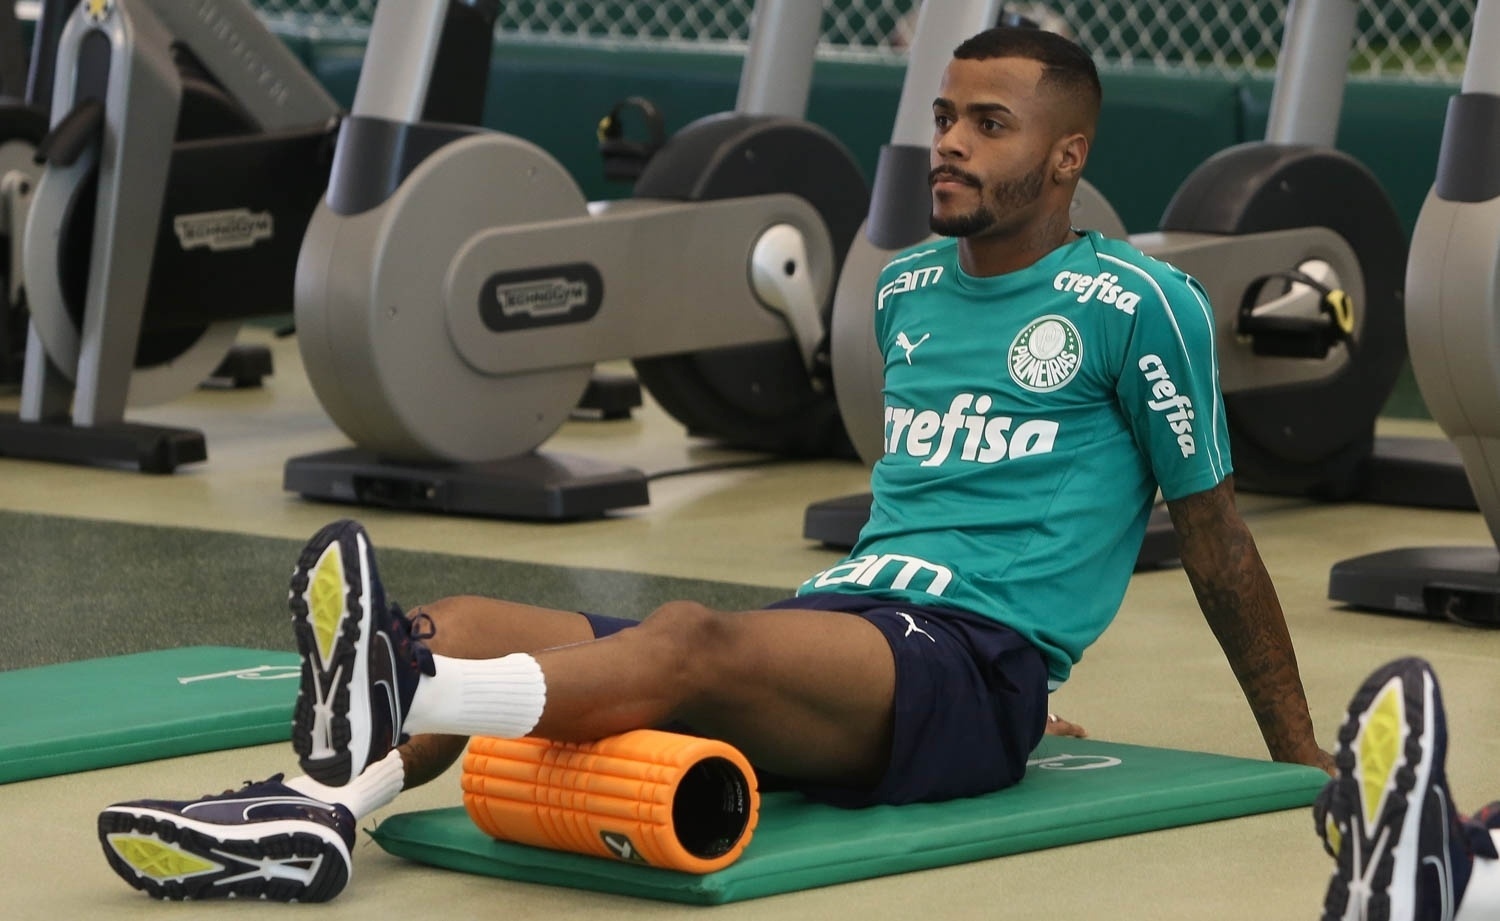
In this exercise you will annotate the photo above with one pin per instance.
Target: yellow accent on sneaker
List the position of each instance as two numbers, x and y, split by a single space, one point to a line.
325 597
159 860
1332 834
1380 743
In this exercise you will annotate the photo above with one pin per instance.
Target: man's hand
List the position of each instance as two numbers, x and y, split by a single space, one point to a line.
1325 761
1057 726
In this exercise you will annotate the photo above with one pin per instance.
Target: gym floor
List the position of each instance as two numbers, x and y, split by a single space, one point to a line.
1157 678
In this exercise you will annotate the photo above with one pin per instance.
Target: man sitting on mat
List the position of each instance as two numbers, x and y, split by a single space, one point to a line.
1041 383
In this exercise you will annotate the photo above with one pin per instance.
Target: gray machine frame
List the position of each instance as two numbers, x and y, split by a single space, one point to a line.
79 378
1452 294
1305 107
458 426
25 94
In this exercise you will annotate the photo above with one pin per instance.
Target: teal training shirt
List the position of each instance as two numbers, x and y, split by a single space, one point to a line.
1029 420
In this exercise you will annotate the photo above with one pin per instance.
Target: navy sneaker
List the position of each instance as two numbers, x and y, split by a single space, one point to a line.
265 841
360 660
1403 852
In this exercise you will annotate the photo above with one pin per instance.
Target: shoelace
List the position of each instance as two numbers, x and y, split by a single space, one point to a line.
410 632
246 784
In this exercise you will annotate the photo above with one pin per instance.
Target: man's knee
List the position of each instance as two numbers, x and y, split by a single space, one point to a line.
686 621
698 638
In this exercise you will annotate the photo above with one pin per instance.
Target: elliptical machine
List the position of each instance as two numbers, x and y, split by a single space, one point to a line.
455 289
1298 248
1452 296
119 315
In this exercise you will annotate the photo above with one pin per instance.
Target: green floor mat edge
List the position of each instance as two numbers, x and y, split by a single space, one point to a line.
117 710
801 845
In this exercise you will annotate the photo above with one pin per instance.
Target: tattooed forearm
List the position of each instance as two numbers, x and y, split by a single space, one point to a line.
1241 607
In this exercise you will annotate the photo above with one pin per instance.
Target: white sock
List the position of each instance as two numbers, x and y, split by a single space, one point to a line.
1481 900
376 786
479 697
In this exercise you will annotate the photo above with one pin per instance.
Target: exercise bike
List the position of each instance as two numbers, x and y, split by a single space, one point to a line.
1298 248
455 289
1451 299
193 123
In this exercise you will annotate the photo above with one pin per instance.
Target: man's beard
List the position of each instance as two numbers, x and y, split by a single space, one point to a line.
1007 197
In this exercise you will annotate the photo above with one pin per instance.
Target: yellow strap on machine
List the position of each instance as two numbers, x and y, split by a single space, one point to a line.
657 798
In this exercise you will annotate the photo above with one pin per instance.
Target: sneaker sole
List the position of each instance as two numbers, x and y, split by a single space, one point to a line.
1383 757
172 857
329 600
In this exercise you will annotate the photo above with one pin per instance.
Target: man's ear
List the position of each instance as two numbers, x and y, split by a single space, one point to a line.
1070 155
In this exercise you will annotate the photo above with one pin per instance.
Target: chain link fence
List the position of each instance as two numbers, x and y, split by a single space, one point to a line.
1412 40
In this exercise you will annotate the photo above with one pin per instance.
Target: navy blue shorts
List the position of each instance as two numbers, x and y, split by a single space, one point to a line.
970 706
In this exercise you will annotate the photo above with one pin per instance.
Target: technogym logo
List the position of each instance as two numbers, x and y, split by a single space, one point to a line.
1046 354
545 296
235 228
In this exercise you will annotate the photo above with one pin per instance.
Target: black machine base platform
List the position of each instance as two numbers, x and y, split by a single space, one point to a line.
533 486
243 367
609 396
1420 472
129 445
837 523
1461 584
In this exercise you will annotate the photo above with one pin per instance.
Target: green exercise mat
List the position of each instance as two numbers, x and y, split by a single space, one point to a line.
77 716
1075 790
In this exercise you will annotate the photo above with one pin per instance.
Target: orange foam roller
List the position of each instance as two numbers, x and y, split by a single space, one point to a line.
657 798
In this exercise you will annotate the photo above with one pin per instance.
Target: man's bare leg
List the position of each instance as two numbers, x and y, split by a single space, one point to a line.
475 627
806 693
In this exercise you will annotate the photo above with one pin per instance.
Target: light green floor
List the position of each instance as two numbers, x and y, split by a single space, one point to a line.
1157 678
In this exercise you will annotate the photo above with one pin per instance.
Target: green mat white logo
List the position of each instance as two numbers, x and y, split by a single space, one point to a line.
1066 762
1046 354
253 673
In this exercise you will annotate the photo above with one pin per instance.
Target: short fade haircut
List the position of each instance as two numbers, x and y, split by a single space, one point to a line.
1066 67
